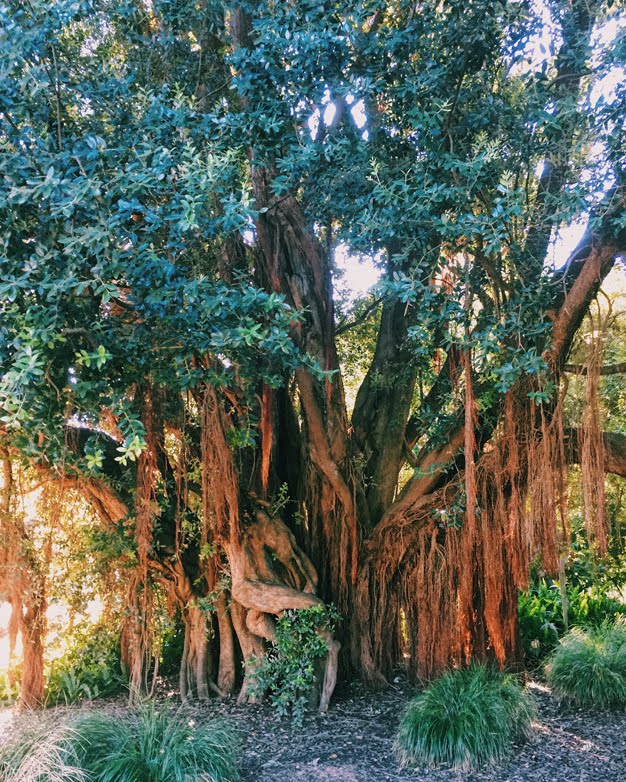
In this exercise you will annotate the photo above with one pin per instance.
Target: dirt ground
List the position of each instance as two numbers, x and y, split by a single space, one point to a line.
354 742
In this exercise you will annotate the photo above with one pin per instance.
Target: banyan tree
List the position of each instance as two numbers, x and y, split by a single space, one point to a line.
178 181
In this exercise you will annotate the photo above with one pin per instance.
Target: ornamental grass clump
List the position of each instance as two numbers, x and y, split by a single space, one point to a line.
588 668
157 746
466 719
145 744
41 753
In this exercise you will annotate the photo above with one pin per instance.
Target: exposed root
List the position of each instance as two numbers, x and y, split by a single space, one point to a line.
270 575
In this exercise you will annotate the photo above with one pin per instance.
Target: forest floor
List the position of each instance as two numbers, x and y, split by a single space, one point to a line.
354 742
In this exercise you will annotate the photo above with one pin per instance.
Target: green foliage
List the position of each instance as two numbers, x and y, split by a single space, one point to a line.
468 718
589 668
541 622
172 646
586 568
117 197
89 668
541 615
288 671
144 744
9 692
156 746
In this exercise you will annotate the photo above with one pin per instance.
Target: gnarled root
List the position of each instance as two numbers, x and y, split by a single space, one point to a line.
252 649
227 667
271 574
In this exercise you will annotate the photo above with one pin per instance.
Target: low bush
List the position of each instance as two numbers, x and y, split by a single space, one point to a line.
589 667
288 672
466 719
144 744
41 752
541 616
90 668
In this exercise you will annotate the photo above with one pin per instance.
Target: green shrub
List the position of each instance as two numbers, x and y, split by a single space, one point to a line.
540 622
156 746
288 672
466 719
592 607
142 745
541 616
589 668
89 669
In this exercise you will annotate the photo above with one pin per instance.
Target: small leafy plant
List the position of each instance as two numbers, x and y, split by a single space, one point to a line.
9 687
589 668
540 621
466 719
288 672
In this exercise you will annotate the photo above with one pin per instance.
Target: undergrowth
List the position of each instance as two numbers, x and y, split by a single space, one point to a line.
89 667
541 616
42 752
144 744
466 719
589 667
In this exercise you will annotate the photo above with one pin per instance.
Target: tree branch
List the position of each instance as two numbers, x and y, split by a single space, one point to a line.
346 325
607 369
614 450
575 286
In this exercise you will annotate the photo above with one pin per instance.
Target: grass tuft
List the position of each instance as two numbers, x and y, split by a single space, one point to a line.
40 753
589 667
157 746
142 745
466 719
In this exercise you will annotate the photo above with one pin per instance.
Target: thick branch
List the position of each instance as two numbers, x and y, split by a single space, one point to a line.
320 446
607 369
614 451
383 403
579 281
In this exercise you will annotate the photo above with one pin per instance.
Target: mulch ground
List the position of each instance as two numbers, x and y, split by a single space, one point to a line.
354 743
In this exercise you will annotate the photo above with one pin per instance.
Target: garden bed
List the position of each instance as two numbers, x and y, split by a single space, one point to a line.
354 743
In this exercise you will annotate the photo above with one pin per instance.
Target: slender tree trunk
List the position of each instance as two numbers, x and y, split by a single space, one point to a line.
33 630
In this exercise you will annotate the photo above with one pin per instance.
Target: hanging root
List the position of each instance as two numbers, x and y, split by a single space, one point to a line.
592 450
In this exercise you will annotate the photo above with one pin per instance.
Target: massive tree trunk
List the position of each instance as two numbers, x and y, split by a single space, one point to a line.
381 555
